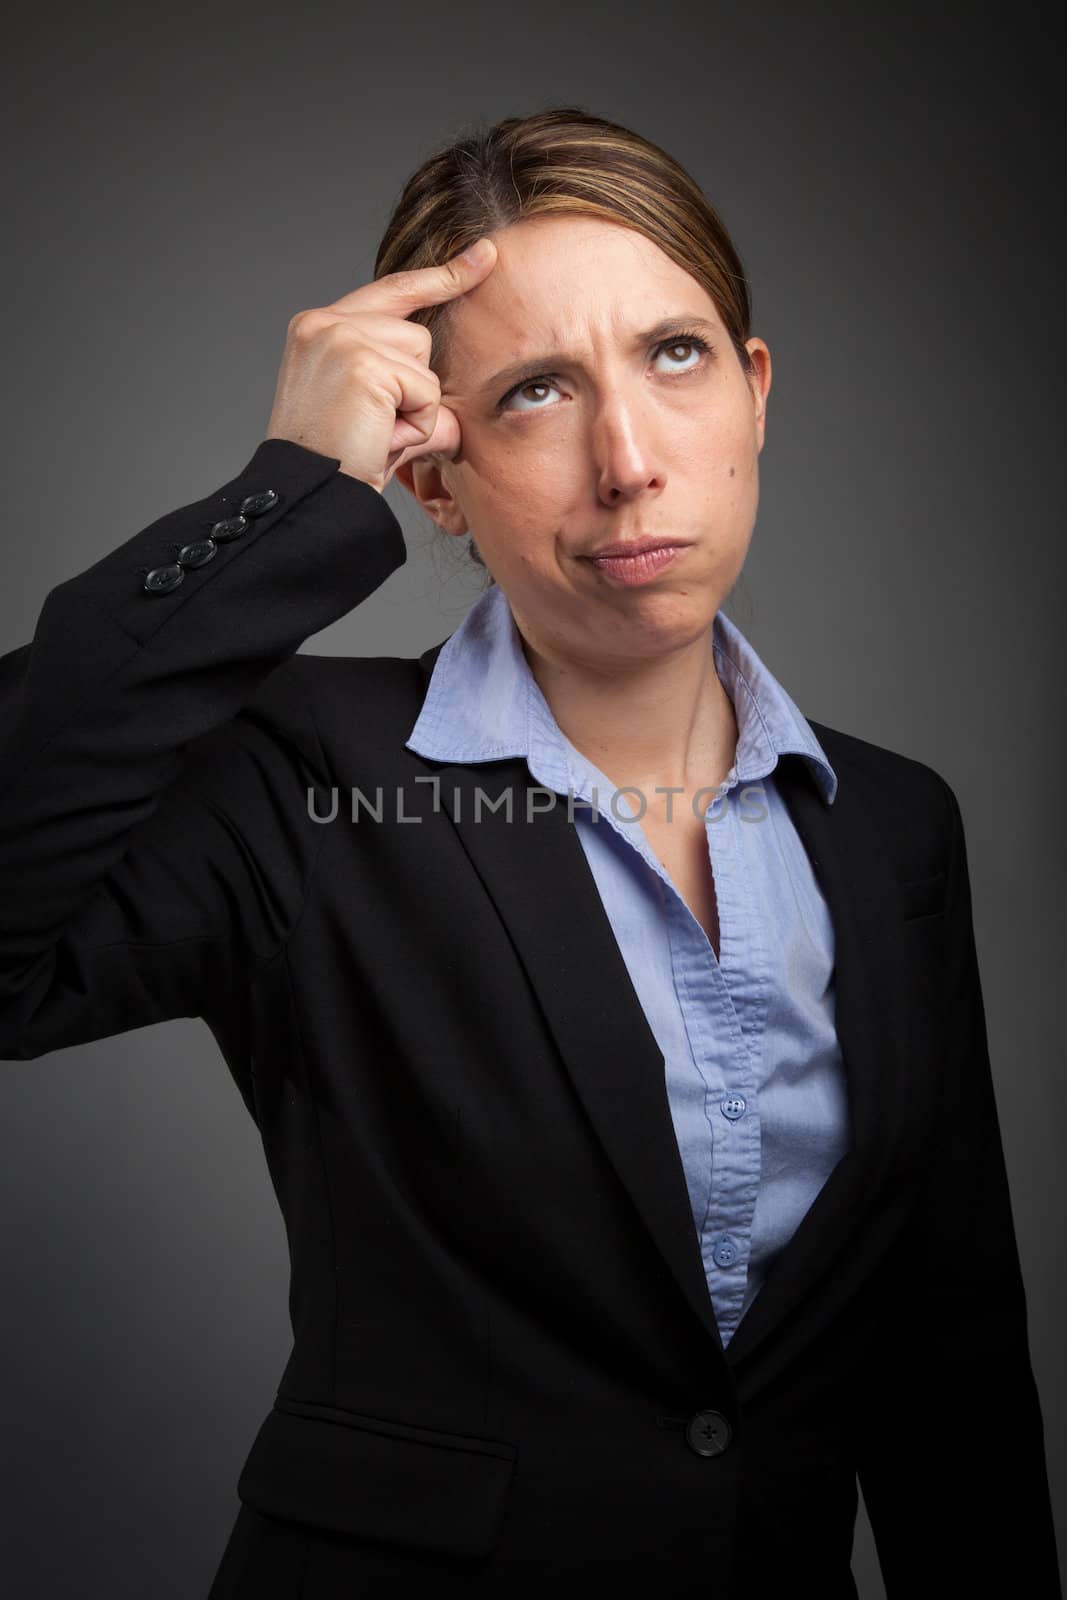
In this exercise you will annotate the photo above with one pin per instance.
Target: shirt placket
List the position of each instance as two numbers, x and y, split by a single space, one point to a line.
724 1008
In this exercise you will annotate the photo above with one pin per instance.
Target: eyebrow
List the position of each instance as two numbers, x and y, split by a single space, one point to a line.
523 371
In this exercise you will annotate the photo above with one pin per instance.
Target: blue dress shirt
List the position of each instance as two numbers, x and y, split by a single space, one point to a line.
754 1075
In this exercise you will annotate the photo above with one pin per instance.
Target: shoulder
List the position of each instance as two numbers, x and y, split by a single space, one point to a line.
398 678
312 708
910 802
357 711
877 767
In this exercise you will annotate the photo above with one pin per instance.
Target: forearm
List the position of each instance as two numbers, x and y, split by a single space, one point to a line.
97 712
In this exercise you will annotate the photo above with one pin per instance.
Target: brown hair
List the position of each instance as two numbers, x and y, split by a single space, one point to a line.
560 159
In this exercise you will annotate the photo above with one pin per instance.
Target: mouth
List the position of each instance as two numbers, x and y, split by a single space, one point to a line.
640 566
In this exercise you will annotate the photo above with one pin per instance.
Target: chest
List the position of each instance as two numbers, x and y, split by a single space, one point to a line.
682 850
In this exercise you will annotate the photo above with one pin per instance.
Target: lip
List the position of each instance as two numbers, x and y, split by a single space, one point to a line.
642 562
638 547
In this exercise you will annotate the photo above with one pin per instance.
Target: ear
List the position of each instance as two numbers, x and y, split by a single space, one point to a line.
423 478
759 380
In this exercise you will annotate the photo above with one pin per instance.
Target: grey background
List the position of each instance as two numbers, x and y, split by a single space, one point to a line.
177 186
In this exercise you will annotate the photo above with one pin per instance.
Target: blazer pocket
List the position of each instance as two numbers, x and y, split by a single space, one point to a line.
336 1469
923 897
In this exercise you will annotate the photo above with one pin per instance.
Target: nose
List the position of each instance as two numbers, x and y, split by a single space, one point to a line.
626 454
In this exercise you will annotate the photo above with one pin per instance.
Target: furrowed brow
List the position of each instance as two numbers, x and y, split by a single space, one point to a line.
523 371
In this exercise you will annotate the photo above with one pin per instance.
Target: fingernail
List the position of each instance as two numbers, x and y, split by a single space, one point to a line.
477 253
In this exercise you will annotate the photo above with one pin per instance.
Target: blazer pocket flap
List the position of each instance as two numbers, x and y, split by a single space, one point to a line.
362 1475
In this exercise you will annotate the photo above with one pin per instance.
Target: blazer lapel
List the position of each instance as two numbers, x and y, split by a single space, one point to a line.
541 883
855 1214
538 876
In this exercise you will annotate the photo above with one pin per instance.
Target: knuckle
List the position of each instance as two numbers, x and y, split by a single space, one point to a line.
376 380
304 325
367 357
338 332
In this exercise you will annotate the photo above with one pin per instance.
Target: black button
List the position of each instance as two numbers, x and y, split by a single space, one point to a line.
161 580
228 528
199 553
708 1433
254 505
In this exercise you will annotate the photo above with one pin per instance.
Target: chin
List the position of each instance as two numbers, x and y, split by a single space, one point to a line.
691 607
667 621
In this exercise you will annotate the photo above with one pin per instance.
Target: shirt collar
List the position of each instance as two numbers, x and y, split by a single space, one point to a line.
483 703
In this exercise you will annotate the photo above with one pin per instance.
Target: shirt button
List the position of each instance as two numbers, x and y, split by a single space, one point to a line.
198 553
228 528
161 580
708 1433
725 1252
254 505
733 1106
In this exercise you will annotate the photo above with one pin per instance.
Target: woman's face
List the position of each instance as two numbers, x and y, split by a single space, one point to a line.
610 433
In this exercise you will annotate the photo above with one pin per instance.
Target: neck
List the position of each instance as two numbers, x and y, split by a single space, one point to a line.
661 723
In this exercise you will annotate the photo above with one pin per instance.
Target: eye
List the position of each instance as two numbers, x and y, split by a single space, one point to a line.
691 341
523 389
683 341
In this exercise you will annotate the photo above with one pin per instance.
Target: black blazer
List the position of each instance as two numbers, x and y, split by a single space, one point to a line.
506 1373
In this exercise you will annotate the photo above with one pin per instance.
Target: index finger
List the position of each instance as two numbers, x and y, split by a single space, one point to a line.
401 293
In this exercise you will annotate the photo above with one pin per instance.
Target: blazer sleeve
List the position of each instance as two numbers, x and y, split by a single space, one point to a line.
156 751
952 1456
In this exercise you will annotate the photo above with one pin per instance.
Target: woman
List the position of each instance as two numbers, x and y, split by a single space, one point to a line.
640 1165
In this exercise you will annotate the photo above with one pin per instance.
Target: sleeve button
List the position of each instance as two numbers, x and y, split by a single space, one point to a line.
254 505
161 580
198 554
228 528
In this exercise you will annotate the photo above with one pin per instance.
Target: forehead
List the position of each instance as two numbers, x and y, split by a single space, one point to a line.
565 283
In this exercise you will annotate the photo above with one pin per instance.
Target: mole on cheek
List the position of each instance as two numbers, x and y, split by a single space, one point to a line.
732 471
